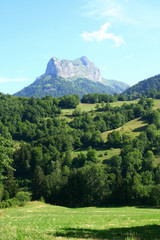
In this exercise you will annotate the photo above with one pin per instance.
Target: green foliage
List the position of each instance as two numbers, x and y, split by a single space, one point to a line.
155 195
114 139
22 198
5 161
154 117
91 155
58 87
45 144
12 202
6 195
1 192
69 101
98 98
149 87
39 183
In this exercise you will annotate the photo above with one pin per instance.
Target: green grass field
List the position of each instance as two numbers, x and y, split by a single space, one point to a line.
41 221
156 103
106 154
86 107
120 103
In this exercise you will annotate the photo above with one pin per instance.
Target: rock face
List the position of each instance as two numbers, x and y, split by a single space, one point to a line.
80 67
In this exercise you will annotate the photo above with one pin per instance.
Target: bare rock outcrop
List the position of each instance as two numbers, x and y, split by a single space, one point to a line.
80 67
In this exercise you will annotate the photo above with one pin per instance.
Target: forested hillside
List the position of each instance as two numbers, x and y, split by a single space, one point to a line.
58 86
149 87
55 157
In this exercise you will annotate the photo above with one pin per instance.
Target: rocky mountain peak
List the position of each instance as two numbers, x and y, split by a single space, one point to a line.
84 60
80 67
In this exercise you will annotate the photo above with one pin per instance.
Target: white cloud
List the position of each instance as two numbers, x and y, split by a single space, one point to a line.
102 34
7 80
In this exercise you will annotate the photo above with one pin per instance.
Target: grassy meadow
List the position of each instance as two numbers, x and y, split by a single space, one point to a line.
87 107
42 221
133 127
102 154
156 103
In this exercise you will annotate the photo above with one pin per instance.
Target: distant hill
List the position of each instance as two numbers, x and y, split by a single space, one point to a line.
144 87
65 77
118 86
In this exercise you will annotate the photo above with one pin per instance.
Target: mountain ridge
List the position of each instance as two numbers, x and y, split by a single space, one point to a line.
64 77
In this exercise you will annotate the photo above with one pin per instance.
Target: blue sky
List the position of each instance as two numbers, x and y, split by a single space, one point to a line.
122 38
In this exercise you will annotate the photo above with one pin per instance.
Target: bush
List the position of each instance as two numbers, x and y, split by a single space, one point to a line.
23 198
8 203
42 199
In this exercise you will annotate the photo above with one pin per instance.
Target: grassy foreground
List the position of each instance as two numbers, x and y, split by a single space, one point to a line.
41 221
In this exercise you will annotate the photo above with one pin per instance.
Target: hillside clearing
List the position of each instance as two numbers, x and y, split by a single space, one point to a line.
133 127
101 154
85 107
156 103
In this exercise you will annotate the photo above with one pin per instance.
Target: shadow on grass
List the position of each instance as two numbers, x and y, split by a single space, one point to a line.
141 232
140 129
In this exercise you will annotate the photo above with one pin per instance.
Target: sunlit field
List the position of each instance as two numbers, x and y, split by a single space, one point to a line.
41 221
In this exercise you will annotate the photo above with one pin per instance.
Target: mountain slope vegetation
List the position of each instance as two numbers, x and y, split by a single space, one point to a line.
148 87
118 86
57 87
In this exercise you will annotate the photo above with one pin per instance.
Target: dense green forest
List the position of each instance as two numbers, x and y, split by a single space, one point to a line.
38 147
149 87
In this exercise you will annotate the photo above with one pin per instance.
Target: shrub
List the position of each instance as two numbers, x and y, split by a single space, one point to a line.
23 198
8 203
42 199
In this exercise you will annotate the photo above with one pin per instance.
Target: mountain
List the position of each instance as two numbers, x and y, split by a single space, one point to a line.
58 86
118 86
79 68
144 87
79 76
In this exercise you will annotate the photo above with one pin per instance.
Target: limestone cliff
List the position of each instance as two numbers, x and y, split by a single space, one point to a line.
80 67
